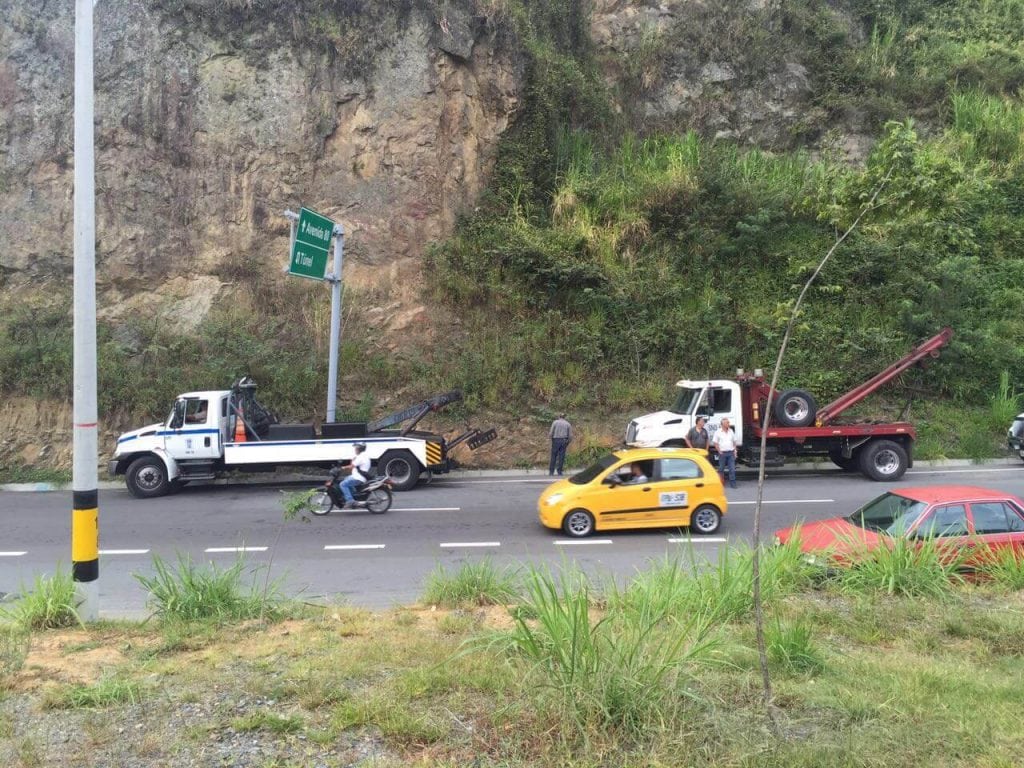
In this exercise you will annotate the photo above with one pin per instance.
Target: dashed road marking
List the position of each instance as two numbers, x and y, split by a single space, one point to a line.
699 540
426 509
12 554
455 544
124 551
785 501
571 542
214 550
352 546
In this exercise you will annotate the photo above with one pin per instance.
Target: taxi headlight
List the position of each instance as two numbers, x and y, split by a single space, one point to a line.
553 499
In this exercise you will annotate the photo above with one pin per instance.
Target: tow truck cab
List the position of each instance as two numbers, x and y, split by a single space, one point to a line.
714 399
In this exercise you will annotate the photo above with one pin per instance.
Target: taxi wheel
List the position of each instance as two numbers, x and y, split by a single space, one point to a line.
705 519
578 523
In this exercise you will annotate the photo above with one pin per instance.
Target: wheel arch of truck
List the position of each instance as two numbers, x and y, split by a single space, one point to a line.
125 461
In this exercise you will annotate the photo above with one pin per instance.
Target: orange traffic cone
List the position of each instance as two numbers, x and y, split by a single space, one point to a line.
239 427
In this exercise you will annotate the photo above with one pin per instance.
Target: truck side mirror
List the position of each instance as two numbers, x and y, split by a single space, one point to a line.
178 415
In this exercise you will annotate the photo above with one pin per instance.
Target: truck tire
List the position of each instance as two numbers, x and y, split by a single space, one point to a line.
795 408
883 460
402 467
146 478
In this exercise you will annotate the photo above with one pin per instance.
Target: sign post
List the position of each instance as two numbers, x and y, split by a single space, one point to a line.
311 236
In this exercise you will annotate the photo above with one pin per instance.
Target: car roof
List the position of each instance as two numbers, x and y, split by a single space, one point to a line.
935 494
640 454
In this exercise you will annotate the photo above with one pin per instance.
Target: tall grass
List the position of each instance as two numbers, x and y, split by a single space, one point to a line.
900 566
14 646
51 603
478 582
612 669
791 646
198 593
1004 568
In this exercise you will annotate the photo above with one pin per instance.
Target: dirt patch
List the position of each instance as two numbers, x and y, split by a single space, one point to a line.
72 656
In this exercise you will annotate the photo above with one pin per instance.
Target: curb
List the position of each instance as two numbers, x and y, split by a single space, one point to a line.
459 474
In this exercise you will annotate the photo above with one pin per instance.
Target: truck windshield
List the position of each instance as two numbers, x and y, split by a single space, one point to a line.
687 400
890 513
599 466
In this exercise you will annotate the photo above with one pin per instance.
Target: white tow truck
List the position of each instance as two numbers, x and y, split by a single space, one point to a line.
209 433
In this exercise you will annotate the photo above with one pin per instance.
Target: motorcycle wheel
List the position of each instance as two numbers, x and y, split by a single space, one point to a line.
379 501
320 503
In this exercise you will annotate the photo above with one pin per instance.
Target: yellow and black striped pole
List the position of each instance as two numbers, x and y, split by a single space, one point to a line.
85 536
85 528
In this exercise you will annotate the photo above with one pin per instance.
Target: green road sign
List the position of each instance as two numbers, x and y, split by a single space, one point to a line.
312 244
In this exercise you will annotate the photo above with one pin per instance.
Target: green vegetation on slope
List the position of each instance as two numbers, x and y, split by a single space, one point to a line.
600 266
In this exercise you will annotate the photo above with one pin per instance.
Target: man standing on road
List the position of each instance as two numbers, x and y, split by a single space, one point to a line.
561 435
360 471
726 444
697 437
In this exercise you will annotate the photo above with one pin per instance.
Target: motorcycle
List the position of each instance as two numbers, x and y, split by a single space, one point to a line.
374 494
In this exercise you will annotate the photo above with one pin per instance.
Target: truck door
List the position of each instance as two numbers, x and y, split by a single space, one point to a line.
193 431
721 402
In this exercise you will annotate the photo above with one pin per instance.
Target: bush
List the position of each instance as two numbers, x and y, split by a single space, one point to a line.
50 604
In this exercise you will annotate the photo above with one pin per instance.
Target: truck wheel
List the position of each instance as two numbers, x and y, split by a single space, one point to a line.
401 467
795 408
883 460
851 464
147 478
578 523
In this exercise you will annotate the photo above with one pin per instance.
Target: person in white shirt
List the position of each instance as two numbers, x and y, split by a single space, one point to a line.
359 474
725 443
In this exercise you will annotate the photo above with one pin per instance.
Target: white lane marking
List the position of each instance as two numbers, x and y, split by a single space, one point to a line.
785 501
12 554
699 540
123 551
235 549
353 546
426 509
571 542
961 471
454 544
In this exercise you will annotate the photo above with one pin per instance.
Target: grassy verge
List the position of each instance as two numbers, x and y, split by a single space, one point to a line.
569 671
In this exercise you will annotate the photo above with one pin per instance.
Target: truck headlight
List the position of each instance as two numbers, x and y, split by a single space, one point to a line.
553 499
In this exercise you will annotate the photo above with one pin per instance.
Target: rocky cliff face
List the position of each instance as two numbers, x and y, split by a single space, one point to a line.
214 116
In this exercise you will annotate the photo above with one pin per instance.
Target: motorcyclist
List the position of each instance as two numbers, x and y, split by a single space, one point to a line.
360 473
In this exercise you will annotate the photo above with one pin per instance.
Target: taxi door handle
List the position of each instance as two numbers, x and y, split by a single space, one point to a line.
699 485
646 489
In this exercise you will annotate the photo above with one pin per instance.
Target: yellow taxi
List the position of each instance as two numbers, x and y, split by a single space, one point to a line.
637 488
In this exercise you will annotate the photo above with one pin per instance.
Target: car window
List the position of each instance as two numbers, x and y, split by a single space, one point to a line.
950 520
995 517
678 469
599 466
195 411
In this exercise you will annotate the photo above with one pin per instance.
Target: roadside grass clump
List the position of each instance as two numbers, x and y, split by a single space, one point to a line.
202 593
50 604
791 646
478 582
612 669
1003 568
263 720
901 566
107 692
15 641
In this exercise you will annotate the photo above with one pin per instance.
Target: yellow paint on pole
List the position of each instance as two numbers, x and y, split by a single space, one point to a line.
85 535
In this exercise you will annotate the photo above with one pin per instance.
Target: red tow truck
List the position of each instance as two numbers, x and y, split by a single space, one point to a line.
797 428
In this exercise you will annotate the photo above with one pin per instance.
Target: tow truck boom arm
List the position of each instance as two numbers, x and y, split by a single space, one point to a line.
929 348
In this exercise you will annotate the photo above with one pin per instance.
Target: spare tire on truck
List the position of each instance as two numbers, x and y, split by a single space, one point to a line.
795 408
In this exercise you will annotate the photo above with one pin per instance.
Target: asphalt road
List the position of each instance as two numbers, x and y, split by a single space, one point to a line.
381 560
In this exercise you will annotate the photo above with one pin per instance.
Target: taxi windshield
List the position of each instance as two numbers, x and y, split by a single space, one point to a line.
889 513
595 469
687 400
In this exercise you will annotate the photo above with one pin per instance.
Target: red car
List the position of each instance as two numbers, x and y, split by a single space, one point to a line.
962 515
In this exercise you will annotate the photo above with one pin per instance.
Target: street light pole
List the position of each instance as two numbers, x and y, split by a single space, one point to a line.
85 531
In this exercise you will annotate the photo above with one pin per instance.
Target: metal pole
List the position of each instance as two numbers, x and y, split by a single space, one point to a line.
85 518
335 279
